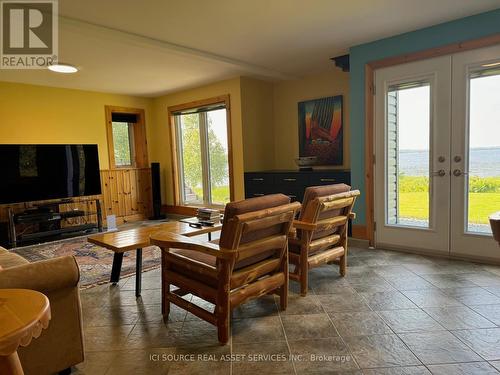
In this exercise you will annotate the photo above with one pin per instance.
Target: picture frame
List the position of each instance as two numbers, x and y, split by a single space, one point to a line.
321 130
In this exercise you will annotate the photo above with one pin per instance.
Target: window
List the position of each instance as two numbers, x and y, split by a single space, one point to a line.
126 138
123 143
483 175
201 153
408 154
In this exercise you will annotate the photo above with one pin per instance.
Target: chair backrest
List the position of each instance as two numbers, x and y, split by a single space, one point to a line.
228 233
308 212
257 227
330 213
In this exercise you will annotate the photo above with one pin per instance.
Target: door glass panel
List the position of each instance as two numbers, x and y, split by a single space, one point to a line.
408 150
190 162
483 182
218 154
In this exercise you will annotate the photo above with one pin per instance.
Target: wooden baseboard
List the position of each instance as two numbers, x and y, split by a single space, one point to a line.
360 232
126 219
179 210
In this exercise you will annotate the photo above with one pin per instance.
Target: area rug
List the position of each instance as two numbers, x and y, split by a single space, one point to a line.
94 261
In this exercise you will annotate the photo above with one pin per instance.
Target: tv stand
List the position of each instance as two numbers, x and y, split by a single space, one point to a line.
45 222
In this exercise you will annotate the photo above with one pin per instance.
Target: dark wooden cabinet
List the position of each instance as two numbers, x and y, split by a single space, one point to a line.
291 182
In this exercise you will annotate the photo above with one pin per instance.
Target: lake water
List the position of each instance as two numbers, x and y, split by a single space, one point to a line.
484 162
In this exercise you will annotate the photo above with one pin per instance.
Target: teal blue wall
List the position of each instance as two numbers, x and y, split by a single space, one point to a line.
468 28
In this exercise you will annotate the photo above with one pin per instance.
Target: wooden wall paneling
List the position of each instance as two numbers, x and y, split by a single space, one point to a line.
115 209
120 191
86 204
83 204
145 188
106 193
91 206
127 193
137 183
134 193
127 199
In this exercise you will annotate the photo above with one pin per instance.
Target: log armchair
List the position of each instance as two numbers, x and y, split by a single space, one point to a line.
250 260
320 233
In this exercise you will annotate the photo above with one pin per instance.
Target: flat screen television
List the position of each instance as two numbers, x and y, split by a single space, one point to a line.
42 172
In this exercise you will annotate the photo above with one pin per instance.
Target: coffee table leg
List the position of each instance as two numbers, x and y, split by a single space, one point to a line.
117 267
138 272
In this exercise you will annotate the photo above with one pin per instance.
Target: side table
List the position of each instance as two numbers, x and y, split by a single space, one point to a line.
23 315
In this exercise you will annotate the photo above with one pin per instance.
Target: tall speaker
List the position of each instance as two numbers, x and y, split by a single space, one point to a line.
156 189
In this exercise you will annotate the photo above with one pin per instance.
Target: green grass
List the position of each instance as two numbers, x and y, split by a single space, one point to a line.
484 198
220 194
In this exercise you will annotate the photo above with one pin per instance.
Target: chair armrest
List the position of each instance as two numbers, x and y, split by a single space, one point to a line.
172 240
303 225
352 215
44 276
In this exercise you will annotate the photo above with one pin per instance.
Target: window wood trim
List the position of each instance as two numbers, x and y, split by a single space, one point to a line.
140 157
173 143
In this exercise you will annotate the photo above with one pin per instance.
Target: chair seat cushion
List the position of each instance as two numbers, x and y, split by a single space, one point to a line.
206 259
249 205
313 192
295 248
210 260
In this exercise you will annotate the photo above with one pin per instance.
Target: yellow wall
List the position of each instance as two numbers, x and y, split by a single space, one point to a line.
39 114
160 143
264 119
257 121
286 96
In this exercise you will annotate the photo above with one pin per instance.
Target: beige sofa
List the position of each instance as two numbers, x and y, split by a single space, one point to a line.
60 346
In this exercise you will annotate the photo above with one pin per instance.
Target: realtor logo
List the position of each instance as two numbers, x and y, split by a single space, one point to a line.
29 34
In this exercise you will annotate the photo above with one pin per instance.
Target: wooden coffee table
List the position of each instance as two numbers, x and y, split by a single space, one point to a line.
137 238
23 315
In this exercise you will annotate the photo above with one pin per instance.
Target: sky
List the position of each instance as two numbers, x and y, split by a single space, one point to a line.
219 126
484 115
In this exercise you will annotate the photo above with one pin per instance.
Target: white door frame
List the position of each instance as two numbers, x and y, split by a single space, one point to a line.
465 243
368 231
435 238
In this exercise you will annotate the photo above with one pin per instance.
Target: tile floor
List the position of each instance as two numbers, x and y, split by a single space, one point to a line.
394 313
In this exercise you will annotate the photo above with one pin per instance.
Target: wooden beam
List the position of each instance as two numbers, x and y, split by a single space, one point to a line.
192 308
197 288
256 289
325 257
248 274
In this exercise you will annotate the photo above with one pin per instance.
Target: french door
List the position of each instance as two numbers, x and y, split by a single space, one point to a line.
437 153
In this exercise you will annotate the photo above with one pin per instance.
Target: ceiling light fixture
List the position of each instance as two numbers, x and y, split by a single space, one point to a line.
490 65
63 68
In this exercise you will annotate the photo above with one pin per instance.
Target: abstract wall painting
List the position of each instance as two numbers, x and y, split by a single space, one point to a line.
321 130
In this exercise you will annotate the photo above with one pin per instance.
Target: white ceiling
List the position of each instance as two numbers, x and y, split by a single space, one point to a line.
151 47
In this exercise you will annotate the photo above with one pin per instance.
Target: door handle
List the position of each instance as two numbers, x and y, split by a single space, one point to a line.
458 173
440 173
